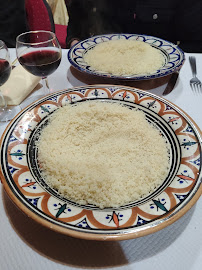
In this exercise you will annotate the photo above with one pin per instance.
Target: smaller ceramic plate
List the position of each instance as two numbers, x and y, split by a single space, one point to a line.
22 179
173 55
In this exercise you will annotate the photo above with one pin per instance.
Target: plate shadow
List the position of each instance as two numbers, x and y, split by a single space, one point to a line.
90 254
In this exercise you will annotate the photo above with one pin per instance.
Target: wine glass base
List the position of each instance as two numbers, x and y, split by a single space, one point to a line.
8 113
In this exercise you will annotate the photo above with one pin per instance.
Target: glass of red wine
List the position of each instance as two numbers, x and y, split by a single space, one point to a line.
39 52
6 112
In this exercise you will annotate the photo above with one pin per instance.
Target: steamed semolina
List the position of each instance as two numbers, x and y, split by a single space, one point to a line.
102 153
124 57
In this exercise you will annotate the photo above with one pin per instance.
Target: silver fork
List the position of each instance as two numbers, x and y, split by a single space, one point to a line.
195 83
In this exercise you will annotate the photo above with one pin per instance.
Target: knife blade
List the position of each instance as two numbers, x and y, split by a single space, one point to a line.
171 83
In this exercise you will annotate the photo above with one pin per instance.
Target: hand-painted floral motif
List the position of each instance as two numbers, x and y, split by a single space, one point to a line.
21 172
173 55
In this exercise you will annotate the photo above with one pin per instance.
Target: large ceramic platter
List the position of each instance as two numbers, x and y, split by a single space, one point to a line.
22 179
173 56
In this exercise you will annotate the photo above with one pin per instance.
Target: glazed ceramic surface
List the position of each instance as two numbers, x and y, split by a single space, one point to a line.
173 55
22 179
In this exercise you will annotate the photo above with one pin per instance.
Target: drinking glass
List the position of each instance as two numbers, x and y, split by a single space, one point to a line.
6 112
39 52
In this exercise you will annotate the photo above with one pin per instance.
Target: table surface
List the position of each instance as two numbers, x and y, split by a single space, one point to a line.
24 244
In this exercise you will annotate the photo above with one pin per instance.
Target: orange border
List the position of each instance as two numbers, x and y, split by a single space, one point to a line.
103 237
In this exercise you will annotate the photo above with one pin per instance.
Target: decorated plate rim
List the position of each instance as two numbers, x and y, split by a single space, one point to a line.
80 46
125 233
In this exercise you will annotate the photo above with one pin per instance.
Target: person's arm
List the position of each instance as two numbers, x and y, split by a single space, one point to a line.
188 23
12 21
77 18
93 17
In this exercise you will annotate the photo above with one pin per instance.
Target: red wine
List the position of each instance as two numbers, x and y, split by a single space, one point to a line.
5 70
41 63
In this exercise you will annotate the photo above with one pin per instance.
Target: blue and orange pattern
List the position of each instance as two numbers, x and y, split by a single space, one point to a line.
185 166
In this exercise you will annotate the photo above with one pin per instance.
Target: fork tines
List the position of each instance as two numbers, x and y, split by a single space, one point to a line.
195 83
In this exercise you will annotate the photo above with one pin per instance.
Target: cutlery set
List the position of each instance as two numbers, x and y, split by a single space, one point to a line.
195 83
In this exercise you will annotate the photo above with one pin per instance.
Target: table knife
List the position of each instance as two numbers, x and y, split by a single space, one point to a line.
171 83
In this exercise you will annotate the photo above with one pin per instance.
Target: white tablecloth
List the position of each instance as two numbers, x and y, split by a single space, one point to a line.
25 244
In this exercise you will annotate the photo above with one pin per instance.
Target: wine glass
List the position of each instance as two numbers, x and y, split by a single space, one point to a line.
6 112
39 52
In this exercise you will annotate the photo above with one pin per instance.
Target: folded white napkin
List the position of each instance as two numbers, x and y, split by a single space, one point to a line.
19 85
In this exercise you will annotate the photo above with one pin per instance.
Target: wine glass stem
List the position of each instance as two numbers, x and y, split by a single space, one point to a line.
6 112
45 84
3 102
